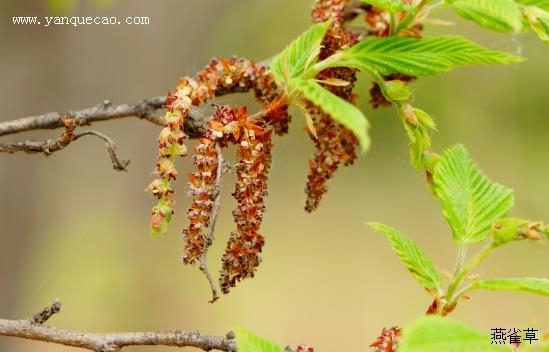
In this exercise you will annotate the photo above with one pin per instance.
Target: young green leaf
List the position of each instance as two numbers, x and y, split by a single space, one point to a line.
340 110
437 334
418 57
471 202
512 229
501 15
417 124
391 6
538 20
413 257
525 284
303 51
249 342
542 4
397 90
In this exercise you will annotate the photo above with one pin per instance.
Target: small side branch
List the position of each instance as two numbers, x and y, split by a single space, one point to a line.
46 313
109 342
53 145
117 164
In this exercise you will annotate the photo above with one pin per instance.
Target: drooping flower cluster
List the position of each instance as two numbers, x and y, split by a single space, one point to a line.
254 146
334 143
221 76
253 141
201 186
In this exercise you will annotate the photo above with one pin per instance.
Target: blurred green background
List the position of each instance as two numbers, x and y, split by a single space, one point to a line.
73 228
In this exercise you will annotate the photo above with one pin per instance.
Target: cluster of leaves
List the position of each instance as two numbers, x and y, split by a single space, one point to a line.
475 208
506 15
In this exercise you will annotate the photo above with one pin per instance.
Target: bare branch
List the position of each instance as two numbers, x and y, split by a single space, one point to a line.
145 109
68 136
211 227
109 342
117 164
46 147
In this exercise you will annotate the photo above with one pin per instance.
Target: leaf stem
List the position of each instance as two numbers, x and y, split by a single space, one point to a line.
393 29
331 61
461 256
466 269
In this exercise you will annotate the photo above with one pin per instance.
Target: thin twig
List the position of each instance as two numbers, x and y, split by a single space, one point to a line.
117 164
68 136
46 147
213 218
109 342
46 313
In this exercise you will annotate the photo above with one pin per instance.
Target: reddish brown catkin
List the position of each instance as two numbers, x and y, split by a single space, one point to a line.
201 186
335 144
221 76
254 144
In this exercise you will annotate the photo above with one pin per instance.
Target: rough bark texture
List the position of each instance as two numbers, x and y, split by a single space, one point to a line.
109 342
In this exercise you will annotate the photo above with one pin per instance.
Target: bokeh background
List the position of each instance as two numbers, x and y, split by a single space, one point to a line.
71 227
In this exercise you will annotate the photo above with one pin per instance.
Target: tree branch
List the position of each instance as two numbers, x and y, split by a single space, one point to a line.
49 146
109 342
144 109
117 164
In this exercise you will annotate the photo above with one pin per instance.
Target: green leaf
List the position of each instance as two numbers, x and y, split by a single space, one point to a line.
437 334
470 201
391 6
249 342
525 284
513 229
340 110
538 20
397 90
413 257
542 4
417 124
302 52
500 15
418 57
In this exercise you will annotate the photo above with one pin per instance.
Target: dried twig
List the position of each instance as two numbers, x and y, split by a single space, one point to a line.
53 145
109 342
117 164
